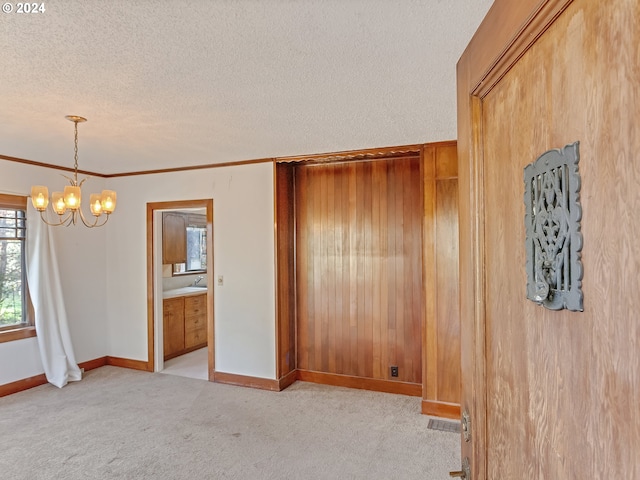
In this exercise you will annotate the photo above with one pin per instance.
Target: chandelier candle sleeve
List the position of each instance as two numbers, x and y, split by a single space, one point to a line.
72 197
40 197
108 201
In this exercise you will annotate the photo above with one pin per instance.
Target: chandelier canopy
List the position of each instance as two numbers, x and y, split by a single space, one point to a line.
67 203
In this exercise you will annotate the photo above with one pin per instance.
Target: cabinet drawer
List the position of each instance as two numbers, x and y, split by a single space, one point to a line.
195 322
195 305
195 337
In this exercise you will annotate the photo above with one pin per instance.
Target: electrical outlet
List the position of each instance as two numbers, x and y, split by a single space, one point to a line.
220 280
394 371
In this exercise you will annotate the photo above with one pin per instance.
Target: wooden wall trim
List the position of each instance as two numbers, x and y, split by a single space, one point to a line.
347 155
191 167
285 278
288 380
247 381
141 172
24 384
48 165
93 364
276 269
430 287
17 334
362 154
441 409
128 363
441 328
11 200
504 36
362 383
37 380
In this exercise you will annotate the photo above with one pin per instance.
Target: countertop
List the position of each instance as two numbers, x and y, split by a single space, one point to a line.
184 292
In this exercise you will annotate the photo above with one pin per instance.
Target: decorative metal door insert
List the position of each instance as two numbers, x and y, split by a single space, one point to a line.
552 222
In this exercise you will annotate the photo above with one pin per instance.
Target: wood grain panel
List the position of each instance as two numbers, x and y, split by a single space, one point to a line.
561 387
359 289
448 318
441 378
285 273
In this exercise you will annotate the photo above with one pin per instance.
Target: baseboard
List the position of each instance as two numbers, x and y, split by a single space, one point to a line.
128 363
37 380
93 364
387 386
288 380
441 409
24 384
246 381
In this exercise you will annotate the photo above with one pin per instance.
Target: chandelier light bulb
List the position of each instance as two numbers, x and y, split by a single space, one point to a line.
95 204
57 200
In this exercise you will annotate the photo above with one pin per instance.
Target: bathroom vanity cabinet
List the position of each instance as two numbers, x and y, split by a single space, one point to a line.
185 324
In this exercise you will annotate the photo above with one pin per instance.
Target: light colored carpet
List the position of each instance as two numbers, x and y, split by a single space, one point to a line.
127 424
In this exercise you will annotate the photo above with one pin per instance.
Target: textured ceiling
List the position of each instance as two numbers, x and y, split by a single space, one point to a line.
167 84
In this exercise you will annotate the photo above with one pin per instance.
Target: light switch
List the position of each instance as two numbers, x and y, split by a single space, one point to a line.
220 280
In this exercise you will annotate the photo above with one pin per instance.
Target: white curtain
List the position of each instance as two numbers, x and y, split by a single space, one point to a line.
43 278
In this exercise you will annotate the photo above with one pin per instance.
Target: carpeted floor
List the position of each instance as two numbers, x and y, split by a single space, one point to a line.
126 424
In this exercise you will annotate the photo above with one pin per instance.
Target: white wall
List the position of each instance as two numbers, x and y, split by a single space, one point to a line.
82 261
243 253
104 270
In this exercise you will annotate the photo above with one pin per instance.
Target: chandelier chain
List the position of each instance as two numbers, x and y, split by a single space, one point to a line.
75 154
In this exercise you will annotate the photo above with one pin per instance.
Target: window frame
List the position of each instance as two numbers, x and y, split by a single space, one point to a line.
26 330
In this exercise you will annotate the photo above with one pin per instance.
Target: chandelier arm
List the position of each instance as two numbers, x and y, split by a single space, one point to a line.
68 178
66 220
95 223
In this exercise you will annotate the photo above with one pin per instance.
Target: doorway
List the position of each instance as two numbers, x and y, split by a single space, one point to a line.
179 297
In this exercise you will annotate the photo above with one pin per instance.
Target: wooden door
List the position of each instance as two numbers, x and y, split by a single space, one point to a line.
551 394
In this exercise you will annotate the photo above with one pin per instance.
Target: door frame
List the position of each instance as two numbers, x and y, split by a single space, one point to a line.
154 248
506 33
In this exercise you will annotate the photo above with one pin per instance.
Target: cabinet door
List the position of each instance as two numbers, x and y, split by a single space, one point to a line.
174 238
173 320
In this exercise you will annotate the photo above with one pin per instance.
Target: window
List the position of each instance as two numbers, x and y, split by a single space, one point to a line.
196 248
15 309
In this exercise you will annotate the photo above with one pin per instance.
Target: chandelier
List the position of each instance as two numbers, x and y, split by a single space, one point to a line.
67 203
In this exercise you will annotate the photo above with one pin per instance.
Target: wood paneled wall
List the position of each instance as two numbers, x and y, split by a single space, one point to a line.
359 268
441 341
285 274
